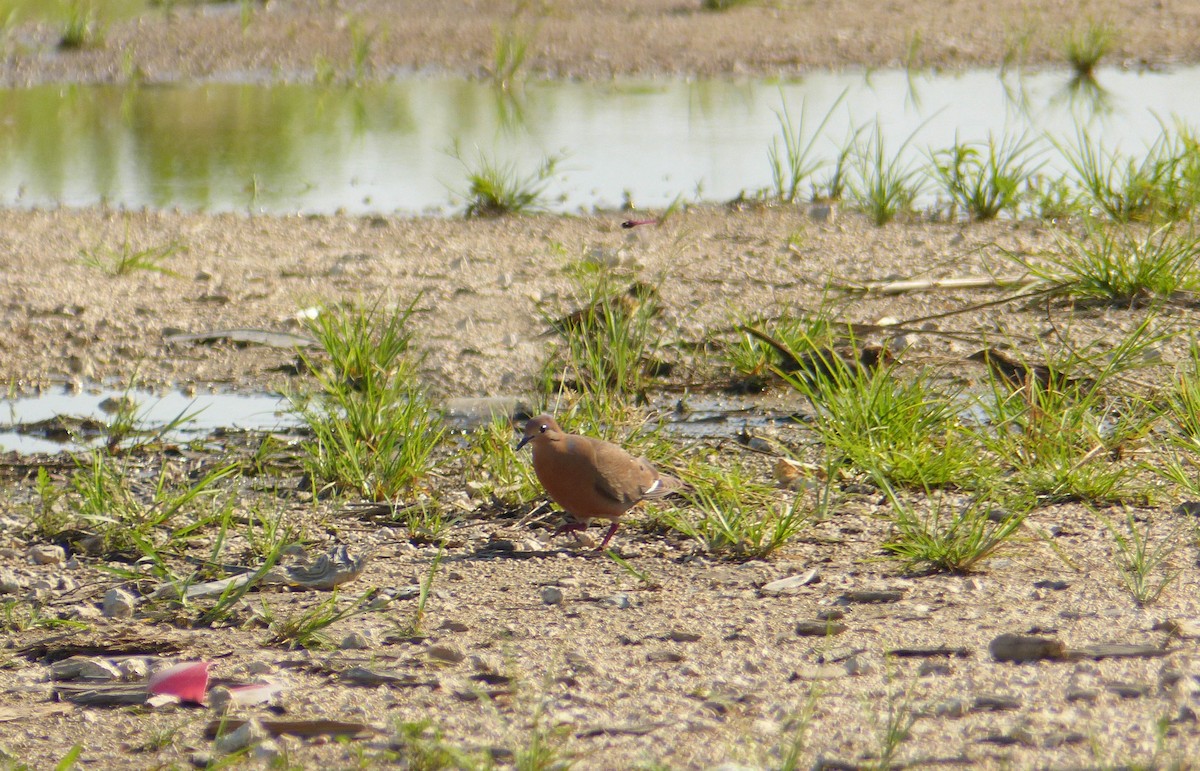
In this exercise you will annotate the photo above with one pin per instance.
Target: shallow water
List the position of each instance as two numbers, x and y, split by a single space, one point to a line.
382 148
30 424
205 413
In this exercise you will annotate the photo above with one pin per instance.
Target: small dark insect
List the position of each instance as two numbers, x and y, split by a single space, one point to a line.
627 224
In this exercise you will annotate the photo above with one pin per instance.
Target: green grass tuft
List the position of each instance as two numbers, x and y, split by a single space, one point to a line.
494 469
986 179
609 344
883 185
1163 184
81 28
903 431
510 49
115 514
126 259
791 168
738 517
497 189
1144 566
307 628
374 426
1086 45
1059 440
950 535
1117 265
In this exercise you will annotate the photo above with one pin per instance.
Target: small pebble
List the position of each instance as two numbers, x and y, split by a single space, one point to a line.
951 708
118 603
869 596
84 668
663 657
267 752
791 584
445 653
47 554
928 668
250 733
133 669
1023 648
995 703
858 665
354 641
491 665
819 628
259 668
9 583
1087 695
552 595
619 600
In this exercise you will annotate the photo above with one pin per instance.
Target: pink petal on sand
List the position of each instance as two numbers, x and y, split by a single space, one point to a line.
187 682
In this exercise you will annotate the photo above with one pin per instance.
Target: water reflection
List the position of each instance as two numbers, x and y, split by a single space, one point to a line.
384 147
15 11
1085 93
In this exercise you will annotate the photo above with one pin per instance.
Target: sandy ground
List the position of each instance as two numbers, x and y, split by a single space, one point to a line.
485 288
292 40
693 663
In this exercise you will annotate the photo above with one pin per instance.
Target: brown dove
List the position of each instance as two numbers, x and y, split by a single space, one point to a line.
590 477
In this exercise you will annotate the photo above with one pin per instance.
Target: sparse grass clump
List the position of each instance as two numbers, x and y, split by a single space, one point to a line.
901 430
510 48
1183 402
1058 437
496 189
126 259
734 515
1144 565
786 343
424 747
307 628
81 28
1181 410
374 425
609 343
1161 185
1117 265
413 625
893 726
1051 197
114 511
793 167
126 430
986 179
494 469
363 343
23 615
946 534
361 42
835 184
1086 45
883 185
